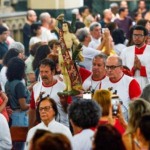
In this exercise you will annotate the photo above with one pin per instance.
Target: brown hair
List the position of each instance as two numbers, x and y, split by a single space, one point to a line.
103 98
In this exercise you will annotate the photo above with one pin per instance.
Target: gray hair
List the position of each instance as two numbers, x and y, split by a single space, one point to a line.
93 25
82 34
102 56
44 15
18 46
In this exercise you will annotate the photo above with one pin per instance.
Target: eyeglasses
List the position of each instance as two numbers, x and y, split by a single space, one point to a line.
137 35
112 67
46 108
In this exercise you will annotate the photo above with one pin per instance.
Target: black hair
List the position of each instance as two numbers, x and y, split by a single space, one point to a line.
84 113
15 69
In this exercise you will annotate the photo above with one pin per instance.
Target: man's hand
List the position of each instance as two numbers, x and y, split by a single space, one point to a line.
60 17
137 63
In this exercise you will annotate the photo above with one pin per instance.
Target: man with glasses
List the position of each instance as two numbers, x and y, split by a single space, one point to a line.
137 57
124 86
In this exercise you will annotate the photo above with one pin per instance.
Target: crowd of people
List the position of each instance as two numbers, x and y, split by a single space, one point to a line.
78 86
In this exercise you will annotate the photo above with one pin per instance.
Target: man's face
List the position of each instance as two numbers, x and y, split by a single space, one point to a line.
138 38
33 17
46 111
113 69
46 74
125 12
96 33
4 36
98 66
65 27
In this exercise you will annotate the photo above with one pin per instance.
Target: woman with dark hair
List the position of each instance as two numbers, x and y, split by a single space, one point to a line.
119 40
18 95
36 34
10 54
107 138
47 109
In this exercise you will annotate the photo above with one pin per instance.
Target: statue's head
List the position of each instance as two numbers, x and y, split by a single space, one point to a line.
66 26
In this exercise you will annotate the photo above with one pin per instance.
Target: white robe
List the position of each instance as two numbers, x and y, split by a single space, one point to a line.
53 126
128 55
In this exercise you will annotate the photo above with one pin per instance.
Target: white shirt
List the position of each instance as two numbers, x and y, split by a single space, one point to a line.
3 78
94 43
53 126
82 140
5 138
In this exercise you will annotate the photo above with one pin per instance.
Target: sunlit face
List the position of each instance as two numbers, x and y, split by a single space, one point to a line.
138 37
33 16
98 66
113 69
46 74
96 33
65 27
46 111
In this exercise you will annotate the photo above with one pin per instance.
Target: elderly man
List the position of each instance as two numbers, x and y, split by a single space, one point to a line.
125 87
136 57
84 117
50 86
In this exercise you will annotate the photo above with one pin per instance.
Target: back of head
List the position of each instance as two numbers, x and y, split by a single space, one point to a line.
52 141
34 27
107 137
15 69
9 55
18 46
103 98
136 109
84 113
146 93
2 29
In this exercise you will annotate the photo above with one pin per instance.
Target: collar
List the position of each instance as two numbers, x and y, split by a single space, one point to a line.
140 50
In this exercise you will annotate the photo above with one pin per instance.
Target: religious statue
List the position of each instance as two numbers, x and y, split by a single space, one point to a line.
67 58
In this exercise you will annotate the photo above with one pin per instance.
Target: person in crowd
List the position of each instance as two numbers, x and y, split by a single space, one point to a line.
42 52
5 138
94 81
145 23
119 40
36 34
143 132
95 31
31 18
122 85
88 53
109 115
146 93
111 26
107 17
18 95
50 86
9 55
30 74
84 116
124 22
107 137
3 104
137 16
3 44
19 48
141 8
48 112
139 56
137 108
46 20
114 9
55 141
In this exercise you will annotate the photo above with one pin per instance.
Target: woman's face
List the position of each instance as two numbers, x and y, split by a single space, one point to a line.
46 111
